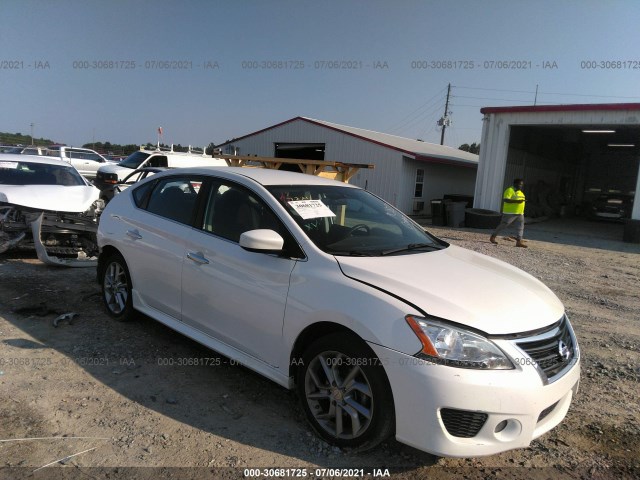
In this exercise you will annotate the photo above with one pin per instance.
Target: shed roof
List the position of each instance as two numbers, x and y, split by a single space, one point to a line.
422 151
583 107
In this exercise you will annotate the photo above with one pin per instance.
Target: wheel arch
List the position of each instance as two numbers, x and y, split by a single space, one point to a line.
312 333
105 253
307 336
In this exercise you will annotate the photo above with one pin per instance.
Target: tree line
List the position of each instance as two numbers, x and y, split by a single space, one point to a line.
101 147
20 139
473 148
125 150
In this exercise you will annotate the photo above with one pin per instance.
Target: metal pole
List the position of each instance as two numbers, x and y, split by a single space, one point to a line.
446 108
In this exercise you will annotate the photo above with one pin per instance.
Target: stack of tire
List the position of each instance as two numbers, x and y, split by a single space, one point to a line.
481 218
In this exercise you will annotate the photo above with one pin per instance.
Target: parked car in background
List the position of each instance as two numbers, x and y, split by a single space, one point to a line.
32 150
109 175
321 286
46 205
85 160
137 175
612 206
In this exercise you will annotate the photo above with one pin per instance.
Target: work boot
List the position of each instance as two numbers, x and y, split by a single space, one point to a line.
492 239
521 244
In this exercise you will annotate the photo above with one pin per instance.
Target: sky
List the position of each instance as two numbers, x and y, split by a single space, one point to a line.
209 71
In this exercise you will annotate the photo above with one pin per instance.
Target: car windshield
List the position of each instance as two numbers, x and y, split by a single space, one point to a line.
351 221
31 173
134 160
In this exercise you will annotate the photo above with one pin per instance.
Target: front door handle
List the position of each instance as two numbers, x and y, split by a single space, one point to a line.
197 257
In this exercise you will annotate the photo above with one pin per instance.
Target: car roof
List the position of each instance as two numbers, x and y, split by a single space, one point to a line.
265 176
17 157
67 147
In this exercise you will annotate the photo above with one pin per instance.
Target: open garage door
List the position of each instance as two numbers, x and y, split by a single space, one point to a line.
304 151
576 170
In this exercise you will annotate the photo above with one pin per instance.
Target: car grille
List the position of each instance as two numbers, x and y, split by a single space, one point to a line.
552 350
463 423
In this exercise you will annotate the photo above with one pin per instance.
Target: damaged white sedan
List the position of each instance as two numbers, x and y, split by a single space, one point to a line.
46 205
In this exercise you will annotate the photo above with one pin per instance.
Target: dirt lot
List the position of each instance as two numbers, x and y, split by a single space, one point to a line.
112 397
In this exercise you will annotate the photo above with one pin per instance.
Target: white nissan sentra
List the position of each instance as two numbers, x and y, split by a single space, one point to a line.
320 286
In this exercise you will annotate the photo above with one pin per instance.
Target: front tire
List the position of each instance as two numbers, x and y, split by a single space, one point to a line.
345 393
116 288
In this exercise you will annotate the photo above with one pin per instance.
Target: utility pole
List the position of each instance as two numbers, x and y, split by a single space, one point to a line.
444 121
32 124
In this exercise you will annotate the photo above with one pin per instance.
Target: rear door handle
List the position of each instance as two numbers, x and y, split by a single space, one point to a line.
197 257
134 234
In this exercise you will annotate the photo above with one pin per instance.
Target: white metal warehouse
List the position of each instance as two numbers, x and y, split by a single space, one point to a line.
568 155
408 173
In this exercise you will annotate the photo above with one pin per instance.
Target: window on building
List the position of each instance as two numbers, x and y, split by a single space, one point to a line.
419 183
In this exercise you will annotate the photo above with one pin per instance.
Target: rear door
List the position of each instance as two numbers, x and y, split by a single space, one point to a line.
155 238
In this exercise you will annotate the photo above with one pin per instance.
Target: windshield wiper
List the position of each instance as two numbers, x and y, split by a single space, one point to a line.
412 246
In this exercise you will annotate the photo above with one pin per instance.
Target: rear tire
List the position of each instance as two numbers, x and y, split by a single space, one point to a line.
345 393
116 288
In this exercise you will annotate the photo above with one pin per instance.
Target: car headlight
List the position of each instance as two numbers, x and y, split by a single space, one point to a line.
448 345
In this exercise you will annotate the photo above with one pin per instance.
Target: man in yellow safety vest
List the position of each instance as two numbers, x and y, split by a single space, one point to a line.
512 211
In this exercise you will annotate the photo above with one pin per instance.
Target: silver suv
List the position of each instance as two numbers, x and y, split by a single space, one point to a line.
85 160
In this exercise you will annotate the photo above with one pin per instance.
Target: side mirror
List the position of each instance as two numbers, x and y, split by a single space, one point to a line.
262 240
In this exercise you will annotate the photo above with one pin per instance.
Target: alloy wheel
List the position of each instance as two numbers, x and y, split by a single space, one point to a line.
339 395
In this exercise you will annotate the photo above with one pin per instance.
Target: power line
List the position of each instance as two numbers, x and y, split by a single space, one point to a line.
494 89
582 95
408 118
485 105
540 92
489 98
420 118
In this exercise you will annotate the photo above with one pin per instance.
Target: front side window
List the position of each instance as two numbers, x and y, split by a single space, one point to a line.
134 160
158 161
232 210
174 198
351 221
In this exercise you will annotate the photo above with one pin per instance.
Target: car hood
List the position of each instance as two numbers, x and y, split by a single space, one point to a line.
462 286
56 198
110 167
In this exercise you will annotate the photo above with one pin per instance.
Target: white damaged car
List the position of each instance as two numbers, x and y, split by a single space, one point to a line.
47 205
321 286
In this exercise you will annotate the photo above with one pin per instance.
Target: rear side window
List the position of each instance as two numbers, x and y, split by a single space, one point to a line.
141 193
174 198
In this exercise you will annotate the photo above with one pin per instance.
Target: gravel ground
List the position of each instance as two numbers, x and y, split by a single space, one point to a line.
102 396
